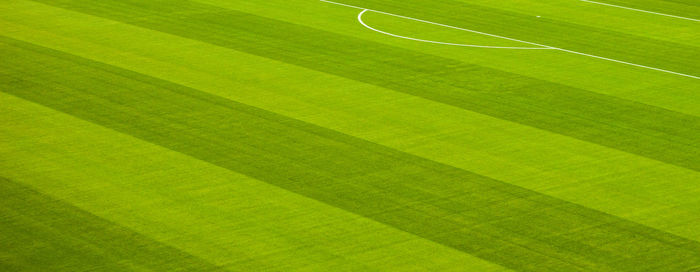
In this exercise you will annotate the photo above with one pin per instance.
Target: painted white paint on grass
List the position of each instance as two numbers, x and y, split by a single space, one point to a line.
359 18
433 23
640 10
512 39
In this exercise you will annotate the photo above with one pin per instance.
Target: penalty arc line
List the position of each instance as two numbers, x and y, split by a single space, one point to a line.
512 39
433 23
641 10
359 18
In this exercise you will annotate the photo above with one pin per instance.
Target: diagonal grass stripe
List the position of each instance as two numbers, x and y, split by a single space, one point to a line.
637 128
77 240
493 220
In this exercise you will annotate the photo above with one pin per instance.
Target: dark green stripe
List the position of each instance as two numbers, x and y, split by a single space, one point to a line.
637 128
496 221
40 233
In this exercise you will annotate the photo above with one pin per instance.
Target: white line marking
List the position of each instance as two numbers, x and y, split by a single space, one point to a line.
433 23
502 37
640 10
628 63
359 18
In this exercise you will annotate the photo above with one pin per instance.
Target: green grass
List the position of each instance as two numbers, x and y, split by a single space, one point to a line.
282 135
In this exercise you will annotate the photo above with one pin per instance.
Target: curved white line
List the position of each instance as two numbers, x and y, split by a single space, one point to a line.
502 37
359 18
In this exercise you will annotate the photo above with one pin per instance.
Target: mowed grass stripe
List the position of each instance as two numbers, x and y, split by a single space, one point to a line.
496 221
58 235
633 127
231 220
580 172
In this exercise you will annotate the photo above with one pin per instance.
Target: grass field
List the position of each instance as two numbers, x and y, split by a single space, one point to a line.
366 135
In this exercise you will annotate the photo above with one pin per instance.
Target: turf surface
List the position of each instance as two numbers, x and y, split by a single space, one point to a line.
283 135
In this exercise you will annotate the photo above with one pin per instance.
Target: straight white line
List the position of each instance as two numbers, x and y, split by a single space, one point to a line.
640 10
502 37
628 63
359 18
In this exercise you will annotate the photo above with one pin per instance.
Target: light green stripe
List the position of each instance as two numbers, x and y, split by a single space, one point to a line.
48 234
